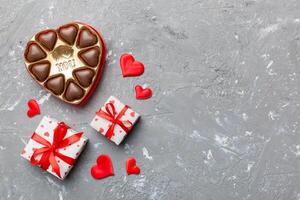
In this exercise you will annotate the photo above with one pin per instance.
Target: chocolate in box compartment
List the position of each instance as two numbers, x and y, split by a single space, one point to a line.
47 39
86 38
34 52
56 84
68 33
90 56
73 91
40 70
84 76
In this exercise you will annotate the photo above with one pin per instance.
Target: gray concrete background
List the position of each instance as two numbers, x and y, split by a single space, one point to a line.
224 119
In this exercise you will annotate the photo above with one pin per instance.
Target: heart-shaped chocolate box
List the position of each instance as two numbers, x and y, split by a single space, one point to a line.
68 61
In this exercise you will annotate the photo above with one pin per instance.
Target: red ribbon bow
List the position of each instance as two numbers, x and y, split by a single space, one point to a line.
50 151
112 116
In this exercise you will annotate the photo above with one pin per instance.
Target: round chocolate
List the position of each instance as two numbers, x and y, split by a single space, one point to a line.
66 61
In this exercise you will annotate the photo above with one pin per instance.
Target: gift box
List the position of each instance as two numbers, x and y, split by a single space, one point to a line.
114 120
54 146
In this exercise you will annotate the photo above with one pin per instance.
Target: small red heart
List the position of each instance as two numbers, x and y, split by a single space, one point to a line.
130 67
141 93
131 166
132 114
33 108
103 168
46 134
23 151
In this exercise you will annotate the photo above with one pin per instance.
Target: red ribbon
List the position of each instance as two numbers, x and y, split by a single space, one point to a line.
50 151
112 116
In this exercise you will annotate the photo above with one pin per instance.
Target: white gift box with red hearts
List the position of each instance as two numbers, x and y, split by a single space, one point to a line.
45 130
127 119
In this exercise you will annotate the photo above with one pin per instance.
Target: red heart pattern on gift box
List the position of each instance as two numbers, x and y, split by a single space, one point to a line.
33 108
131 67
131 167
103 168
132 114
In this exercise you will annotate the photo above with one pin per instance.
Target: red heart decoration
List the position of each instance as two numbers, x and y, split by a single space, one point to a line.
130 67
33 108
132 114
103 168
131 166
141 93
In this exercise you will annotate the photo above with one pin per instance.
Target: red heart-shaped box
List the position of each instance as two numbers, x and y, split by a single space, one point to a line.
67 62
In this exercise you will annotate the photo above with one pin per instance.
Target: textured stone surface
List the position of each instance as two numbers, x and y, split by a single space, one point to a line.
224 119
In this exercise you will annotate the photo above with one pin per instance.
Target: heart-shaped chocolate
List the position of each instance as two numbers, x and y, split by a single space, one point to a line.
68 62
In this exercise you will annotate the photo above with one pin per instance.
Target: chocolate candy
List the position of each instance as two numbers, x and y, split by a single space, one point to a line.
68 61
